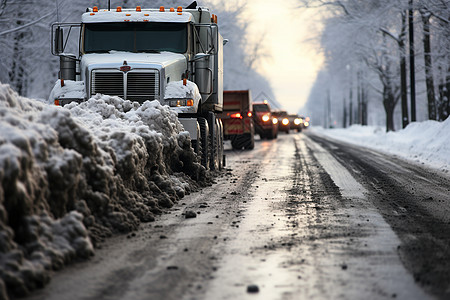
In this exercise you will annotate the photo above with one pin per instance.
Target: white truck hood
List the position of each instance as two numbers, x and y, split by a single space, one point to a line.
115 59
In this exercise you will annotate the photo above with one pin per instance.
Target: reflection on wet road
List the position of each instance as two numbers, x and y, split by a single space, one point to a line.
308 232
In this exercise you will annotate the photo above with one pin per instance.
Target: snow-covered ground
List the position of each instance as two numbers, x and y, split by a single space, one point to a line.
426 142
71 176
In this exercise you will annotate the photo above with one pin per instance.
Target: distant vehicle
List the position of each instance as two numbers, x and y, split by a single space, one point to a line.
295 122
283 120
237 119
306 122
265 124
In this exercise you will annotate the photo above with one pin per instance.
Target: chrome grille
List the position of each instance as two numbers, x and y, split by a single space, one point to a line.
142 86
108 83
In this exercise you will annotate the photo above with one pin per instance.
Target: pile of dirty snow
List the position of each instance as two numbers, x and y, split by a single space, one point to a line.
422 142
74 175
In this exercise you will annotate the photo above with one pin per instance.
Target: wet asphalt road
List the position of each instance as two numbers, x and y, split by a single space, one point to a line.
299 217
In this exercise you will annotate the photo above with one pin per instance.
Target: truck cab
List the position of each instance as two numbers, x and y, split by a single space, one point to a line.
170 55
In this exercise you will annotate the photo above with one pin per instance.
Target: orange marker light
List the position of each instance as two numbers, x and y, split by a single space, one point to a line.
128 15
146 15
161 8
119 9
57 102
92 14
215 19
179 9
95 9
138 8
172 9
184 81
212 18
190 102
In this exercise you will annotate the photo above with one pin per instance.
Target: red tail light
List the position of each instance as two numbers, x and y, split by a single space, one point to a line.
236 116
249 114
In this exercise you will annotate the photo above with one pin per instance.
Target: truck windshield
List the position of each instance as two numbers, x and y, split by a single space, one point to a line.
135 37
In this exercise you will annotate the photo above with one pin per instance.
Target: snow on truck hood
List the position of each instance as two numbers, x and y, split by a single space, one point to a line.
104 16
117 58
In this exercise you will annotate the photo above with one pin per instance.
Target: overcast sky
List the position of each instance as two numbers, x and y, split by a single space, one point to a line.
294 60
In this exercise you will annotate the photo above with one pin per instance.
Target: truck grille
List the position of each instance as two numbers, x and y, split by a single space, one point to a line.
140 85
107 83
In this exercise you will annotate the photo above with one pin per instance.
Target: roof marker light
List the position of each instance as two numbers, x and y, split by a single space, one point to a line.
119 9
146 15
92 14
179 9
172 9
215 19
138 8
162 9
212 18
95 9
128 15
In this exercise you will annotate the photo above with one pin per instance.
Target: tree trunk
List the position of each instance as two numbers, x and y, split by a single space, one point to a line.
403 85
389 106
429 80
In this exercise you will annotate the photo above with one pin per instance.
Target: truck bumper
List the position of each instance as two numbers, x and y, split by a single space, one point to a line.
190 125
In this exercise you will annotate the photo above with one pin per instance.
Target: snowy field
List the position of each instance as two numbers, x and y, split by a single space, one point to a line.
426 142
72 176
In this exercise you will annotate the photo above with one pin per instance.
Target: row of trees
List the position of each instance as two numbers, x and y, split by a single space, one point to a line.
368 48
28 66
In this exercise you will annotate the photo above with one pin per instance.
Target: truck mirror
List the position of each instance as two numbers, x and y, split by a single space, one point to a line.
225 41
59 36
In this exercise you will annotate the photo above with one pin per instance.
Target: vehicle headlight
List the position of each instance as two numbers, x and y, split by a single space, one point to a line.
306 124
285 121
297 121
181 102
265 118
275 121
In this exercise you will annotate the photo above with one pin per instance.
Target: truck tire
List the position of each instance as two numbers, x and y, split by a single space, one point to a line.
214 141
204 141
249 142
220 154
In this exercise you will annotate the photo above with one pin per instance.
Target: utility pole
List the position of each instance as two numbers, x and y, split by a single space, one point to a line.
329 109
344 121
350 113
412 74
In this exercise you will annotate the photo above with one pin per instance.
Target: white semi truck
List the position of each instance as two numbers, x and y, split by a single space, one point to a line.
172 55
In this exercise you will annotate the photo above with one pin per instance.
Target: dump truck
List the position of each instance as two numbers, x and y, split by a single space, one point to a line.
237 119
172 55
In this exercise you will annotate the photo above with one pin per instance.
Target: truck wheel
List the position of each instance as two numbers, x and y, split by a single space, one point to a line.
249 143
237 142
214 141
220 154
204 141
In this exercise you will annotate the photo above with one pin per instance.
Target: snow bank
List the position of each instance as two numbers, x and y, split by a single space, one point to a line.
74 175
422 142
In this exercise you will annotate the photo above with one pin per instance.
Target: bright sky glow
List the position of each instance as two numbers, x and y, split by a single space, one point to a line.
294 60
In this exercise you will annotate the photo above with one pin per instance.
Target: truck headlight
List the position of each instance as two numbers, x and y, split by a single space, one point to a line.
181 102
297 121
265 118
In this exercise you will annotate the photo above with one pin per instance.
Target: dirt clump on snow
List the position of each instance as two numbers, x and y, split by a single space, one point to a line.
69 177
